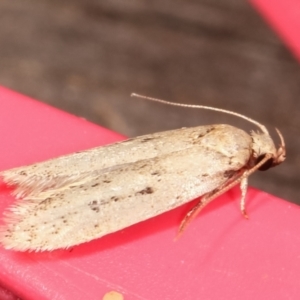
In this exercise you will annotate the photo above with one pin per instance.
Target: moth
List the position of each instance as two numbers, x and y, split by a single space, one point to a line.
82 196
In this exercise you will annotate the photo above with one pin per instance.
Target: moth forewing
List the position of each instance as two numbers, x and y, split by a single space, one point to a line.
82 196
67 169
109 199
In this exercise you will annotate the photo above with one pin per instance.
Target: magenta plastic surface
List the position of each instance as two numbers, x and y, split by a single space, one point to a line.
220 256
284 17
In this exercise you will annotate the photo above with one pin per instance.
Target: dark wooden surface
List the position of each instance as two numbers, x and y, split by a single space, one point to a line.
87 56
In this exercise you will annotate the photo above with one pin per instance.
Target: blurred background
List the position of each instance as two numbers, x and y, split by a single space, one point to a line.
88 56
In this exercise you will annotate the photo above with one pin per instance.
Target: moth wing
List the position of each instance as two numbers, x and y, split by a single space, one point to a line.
103 203
101 200
62 171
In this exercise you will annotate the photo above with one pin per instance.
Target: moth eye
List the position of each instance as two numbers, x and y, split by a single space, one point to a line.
267 165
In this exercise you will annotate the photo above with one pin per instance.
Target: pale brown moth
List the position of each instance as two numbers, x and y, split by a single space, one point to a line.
82 196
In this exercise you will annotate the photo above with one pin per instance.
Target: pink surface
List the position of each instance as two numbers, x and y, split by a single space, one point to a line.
220 256
284 17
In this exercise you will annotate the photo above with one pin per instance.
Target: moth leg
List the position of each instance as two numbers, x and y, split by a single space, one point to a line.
244 187
207 198
195 210
241 177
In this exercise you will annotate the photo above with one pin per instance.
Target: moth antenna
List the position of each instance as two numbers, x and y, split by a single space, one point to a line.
262 127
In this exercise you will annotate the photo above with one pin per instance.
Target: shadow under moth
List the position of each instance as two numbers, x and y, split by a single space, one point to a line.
82 196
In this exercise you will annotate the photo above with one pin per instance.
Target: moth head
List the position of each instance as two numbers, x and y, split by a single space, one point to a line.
263 145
